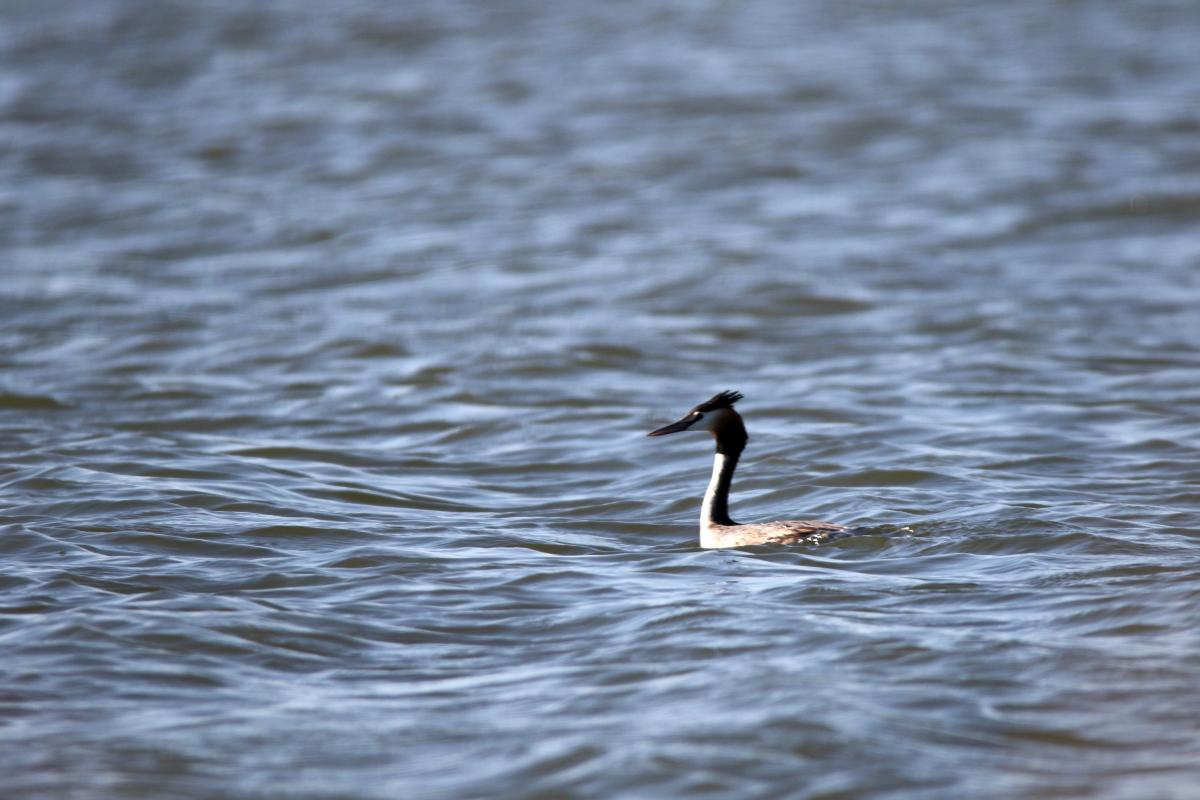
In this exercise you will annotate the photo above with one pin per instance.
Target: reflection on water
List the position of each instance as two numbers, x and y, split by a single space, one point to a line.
330 336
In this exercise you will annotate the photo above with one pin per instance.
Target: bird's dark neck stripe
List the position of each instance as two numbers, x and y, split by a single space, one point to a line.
716 500
732 436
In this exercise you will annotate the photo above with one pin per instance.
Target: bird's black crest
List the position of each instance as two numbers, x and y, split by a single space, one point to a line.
720 400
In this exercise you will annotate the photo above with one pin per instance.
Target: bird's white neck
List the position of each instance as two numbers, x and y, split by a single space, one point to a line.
715 509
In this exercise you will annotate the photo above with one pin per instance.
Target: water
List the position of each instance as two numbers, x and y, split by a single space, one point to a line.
330 336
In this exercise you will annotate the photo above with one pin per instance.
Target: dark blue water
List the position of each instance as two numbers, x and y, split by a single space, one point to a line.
329 337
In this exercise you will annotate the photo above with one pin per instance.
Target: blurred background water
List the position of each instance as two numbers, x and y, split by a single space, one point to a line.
330 334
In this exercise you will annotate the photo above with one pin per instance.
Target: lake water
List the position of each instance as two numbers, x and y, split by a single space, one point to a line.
330 335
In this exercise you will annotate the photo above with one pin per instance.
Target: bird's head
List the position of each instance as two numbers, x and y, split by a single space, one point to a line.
716 416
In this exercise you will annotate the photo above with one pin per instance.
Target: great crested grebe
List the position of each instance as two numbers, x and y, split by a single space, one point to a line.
718 417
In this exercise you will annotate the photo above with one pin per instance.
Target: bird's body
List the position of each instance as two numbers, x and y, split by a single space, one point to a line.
785 531
718 417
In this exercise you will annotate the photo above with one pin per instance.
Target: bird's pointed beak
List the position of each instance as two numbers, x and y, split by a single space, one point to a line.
674 427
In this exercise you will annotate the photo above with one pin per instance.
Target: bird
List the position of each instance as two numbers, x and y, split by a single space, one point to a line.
718 417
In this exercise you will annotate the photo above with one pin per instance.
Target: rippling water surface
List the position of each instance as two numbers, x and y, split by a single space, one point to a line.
330 335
